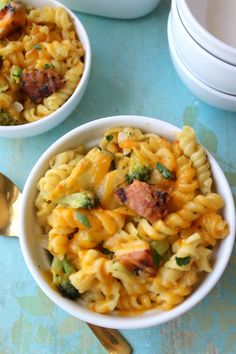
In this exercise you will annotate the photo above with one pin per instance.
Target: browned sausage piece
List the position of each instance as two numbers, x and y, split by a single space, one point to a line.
39 84
138 261
12 18
147 201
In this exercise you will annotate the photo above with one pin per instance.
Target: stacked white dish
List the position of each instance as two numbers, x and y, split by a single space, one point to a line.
203 49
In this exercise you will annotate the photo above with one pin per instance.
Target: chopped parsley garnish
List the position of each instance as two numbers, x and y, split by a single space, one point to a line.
158 249
37 46
83 219
109 137
16 73
182 261
156 258
167 174
48 66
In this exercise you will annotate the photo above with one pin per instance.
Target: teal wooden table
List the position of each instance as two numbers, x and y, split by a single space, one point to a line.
131 74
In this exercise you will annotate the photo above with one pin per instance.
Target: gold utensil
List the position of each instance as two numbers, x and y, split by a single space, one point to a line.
111 339
9 206
10 196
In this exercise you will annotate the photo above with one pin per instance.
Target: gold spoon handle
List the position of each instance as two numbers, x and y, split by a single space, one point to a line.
111 339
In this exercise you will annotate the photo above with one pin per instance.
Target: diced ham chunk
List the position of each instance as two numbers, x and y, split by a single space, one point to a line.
138 261
40 83
145 199
12 18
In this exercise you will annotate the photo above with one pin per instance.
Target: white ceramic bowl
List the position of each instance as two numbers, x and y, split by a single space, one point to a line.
212 24
198 88
52 120
212 71
36 257
125 9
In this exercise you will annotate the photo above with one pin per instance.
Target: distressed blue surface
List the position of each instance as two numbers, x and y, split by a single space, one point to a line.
131 74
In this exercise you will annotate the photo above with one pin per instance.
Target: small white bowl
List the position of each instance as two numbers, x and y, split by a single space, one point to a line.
125 9
36 257
207 68
198 88
212 24
42 125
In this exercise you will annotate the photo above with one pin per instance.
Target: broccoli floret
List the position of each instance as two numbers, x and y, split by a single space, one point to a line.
6 119
87 200
140 172
68 290
61 270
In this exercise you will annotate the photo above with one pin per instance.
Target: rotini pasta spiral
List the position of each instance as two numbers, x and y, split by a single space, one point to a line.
182 219
61 167
210 227
186 183
134 302
190 247
5 100
58 50
187 140
200 163
58 16
96 273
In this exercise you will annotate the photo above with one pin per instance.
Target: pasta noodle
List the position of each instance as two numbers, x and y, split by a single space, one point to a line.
48 46
134 217
198 157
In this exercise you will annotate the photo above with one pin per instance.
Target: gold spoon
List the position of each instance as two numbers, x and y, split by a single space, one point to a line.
10 196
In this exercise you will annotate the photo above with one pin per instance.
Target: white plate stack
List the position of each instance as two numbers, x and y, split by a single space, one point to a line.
202 45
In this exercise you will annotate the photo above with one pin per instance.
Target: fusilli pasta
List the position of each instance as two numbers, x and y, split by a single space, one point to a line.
40 69
134 218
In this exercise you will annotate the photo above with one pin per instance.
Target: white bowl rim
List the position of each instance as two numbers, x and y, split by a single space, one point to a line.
109 321
200 48
87 63
220 46
226 71
126 9
222 95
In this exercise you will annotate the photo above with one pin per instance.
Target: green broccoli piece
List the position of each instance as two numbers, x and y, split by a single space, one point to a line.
140 172
61 270
68 290
87 200
49 66
6 119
